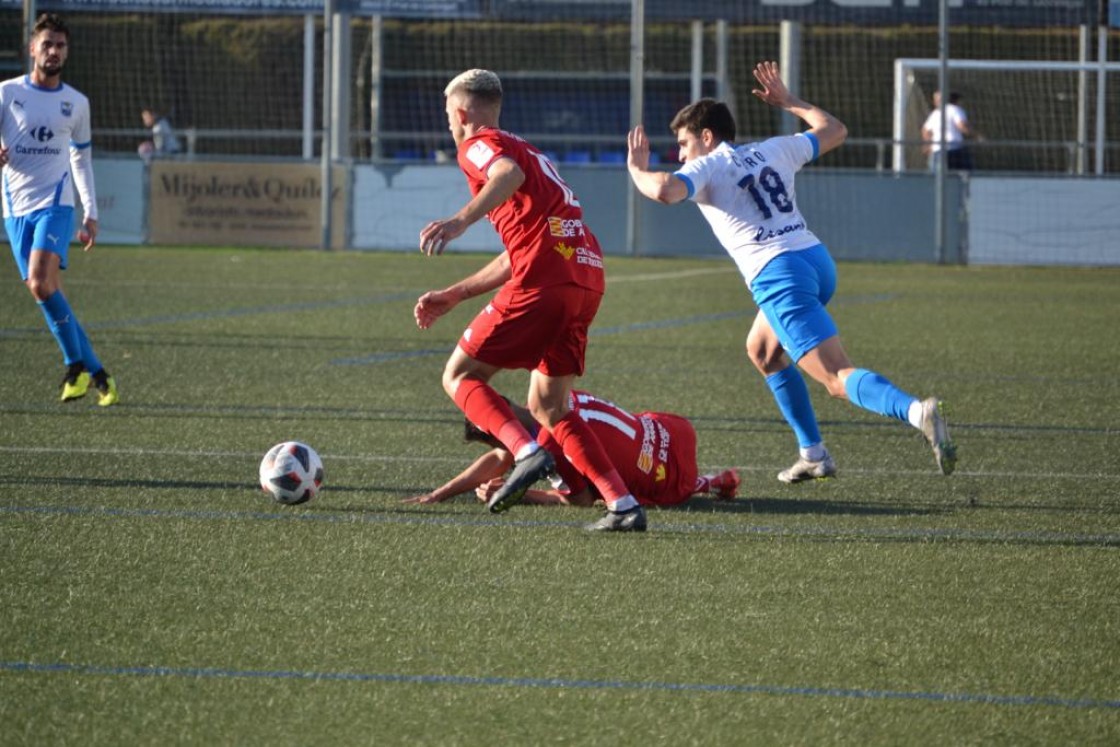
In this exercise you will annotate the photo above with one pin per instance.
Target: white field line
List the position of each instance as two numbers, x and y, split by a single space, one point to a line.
669 275
649 276
385 458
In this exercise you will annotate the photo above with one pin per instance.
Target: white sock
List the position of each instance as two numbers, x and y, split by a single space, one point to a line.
914 414
625 503
527 450
814 452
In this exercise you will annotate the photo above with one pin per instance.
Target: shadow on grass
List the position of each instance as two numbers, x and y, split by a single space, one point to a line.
804 506
106 482
776 506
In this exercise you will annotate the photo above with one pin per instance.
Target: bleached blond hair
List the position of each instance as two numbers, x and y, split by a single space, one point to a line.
477 83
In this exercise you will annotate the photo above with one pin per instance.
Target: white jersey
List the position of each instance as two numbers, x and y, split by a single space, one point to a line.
956 121
746 194
44 130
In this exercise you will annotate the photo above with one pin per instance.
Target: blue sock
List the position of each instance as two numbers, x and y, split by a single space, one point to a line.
63 326
89 358
874 392
792 397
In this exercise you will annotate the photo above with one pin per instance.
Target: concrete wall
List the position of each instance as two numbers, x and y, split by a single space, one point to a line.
1044 221
860 215
122 202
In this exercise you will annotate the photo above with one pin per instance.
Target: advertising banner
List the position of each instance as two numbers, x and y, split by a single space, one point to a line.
887 12
393 8
242 204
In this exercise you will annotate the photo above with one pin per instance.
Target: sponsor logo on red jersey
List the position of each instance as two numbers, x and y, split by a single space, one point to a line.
565 228
588 257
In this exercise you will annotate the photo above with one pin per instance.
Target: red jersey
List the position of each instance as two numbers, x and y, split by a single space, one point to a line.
541 225
654 452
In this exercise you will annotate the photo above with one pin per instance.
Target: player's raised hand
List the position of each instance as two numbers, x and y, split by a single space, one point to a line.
637 146
773 91
3 157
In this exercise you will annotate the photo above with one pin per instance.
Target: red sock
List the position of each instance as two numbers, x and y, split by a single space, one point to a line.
485 408
582 448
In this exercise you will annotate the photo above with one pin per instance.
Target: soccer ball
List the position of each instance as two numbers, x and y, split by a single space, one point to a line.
291 472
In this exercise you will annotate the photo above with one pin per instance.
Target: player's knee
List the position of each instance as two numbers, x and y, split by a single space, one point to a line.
40 288
766 359
450 383
542 414
547 413
758 359
835 387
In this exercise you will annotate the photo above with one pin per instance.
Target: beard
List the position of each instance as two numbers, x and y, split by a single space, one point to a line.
50 67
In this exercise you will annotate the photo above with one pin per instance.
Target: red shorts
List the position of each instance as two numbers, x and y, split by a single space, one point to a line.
539 328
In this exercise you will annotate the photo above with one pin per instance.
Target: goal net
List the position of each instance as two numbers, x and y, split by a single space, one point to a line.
1026 115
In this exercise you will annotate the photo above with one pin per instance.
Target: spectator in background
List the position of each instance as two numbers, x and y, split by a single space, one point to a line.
163 142
957 130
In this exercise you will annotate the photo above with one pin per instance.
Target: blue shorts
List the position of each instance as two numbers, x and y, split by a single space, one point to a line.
49 229
792 291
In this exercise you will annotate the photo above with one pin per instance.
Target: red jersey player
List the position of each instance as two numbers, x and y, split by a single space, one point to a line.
655 452
551 280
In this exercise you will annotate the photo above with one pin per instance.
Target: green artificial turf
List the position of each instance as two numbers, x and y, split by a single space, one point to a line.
149 592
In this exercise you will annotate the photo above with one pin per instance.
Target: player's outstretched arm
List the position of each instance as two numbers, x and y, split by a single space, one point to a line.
533 497
493 463
829 131
503 179
660 186
434 304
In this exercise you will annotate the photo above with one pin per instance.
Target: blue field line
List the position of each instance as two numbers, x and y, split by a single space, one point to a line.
397 355
350 517
283 308
669 323
724 315
556 683
391 356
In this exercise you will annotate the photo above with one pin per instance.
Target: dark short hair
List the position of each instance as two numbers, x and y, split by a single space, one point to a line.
706 114
472 432
51 22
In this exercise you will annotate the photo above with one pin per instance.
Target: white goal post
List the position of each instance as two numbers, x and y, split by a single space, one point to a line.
904 78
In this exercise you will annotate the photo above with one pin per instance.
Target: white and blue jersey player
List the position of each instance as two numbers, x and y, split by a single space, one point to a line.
747 195
44 156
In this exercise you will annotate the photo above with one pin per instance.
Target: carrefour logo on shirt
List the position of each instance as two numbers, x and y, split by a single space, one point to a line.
42 134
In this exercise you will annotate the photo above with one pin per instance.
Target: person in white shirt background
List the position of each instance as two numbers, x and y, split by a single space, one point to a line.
957 131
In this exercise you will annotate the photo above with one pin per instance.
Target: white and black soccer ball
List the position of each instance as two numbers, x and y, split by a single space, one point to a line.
291 472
